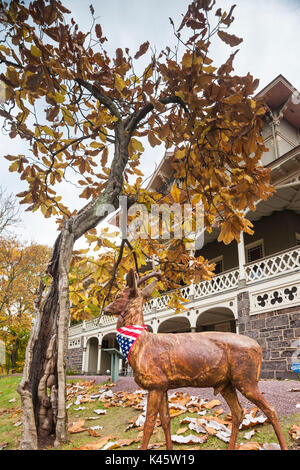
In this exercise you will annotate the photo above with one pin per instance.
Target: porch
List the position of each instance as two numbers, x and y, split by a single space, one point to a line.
269 283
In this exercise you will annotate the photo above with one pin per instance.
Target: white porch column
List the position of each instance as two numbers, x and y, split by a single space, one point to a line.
154 325
242 260
99 353
193 319
84 357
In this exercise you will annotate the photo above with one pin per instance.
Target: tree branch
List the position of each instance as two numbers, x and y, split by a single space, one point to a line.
137 117
105 100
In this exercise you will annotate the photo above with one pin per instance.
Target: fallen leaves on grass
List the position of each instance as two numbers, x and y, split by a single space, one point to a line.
211 404
250 421
249 434
95 445
207 423
190 439
77 426
119 443
253 445
249 446
93 433
294 432
182 430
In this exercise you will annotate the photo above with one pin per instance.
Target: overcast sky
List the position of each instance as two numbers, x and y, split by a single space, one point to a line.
271 47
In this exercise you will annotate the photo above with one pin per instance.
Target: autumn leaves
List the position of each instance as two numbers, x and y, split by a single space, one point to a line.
195 421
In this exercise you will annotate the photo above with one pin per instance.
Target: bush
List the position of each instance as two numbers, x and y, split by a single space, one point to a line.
71 372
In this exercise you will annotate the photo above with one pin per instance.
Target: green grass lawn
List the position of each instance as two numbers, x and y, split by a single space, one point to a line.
114 423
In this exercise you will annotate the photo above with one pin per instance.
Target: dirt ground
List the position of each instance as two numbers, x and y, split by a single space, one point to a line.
283 395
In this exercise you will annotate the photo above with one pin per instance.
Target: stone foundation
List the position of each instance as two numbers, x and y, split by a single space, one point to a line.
277 333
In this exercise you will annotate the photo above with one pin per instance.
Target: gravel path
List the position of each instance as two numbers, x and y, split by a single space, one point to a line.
277 392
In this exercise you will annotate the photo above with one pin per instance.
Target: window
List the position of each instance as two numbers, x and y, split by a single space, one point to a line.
254 251
219 264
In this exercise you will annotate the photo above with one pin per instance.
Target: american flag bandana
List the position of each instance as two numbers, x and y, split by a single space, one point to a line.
127 336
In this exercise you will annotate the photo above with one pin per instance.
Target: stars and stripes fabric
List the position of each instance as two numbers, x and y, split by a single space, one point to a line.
127 336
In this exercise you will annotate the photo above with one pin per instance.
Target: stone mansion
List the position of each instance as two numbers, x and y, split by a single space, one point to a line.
256 288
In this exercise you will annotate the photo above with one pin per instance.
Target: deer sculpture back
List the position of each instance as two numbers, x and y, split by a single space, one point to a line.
225 361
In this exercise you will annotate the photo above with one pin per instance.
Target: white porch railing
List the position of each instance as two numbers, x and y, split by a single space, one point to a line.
285 262
274 265
221 283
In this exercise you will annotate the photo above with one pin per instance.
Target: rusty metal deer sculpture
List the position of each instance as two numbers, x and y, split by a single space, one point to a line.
224 361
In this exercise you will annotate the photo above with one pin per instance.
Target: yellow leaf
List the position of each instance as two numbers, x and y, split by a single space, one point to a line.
226 234
59 97
119 83
4 49
136 145
68 116
234 99
248 178
14 166
209 69
48 131
96 145
175 193
35 51
179 154
260 111
187 60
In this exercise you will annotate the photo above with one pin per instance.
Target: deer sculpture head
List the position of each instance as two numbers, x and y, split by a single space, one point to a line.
129 302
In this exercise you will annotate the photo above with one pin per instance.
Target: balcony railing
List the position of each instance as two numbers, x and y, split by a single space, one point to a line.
282 263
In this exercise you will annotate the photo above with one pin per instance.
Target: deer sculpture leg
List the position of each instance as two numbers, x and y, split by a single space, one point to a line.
237 413
254 395
165 419
153 405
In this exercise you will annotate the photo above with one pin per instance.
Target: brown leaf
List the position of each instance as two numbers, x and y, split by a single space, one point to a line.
142 50
174 413
93 433
156 445
182 430
211 431
294 432
119 443
77 426
153 140
230 39
160 107
211 404
96 444
249 446
98 31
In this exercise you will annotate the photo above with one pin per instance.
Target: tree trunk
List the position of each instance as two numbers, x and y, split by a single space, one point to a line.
43 385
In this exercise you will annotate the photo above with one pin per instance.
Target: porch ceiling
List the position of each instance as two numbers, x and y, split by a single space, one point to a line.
286 197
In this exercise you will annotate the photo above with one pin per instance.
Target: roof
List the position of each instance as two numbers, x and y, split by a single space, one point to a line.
280 93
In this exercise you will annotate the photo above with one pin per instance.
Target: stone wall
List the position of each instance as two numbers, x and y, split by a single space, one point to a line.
277 333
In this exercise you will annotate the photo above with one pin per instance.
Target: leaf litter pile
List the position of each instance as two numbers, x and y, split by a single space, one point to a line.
202 419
